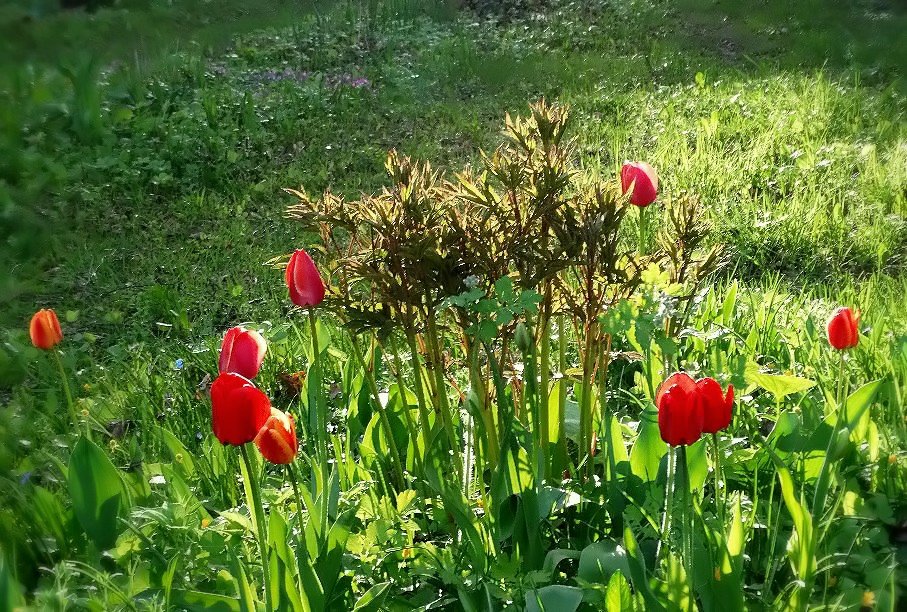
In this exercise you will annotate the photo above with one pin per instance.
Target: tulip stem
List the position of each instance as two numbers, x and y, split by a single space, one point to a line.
300 537
66 391
717 474
686 513
643 246
257 507
669 503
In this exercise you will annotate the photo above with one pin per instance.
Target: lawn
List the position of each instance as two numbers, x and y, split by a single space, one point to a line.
483 401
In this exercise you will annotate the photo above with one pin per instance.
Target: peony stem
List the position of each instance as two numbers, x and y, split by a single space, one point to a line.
382 411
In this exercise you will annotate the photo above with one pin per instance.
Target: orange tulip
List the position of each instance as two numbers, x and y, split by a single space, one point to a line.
304 281
276 440
844 329
44 329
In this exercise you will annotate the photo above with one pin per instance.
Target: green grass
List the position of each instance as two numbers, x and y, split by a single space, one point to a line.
140 196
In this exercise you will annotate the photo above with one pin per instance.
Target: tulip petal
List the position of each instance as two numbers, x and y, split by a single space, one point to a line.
304 281
716 409
44 329
238 409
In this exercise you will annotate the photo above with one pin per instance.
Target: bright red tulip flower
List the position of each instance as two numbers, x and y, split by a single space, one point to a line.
642 178
304 281
844 329
44 329
717 408
238 409
680 414
276 440
242 352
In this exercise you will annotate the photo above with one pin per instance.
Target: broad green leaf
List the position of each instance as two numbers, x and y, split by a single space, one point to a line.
255 462
600 560
638 574
181 458
372 599
282 565
555 556
730 303
676 588
554 598
197 601
618 597
553 413
98 495
649 448
10 591
857 415
779 385
243 587
697 464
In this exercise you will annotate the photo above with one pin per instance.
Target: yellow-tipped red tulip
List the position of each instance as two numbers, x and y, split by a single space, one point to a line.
276 440
44 329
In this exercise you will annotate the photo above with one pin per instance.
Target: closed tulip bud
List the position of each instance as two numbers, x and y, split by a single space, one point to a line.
844 329
717 408
276 440
242 352
44 329
524 340
642 179
238 409
680 414
304 281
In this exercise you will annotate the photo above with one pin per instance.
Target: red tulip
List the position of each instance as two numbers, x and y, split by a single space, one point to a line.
680 414
238 409
304 281
242 352
643 179
277 438
717 408
844 329
44 329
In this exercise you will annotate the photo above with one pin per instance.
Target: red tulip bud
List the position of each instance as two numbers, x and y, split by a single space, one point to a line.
716 407
238 409
844 329
680 414
277 438
44 329
242 352
642 178
306 286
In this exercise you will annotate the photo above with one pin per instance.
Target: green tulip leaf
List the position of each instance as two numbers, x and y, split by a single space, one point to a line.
779 385
649 448
554 598
373 599
98 495
618 597
600 560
